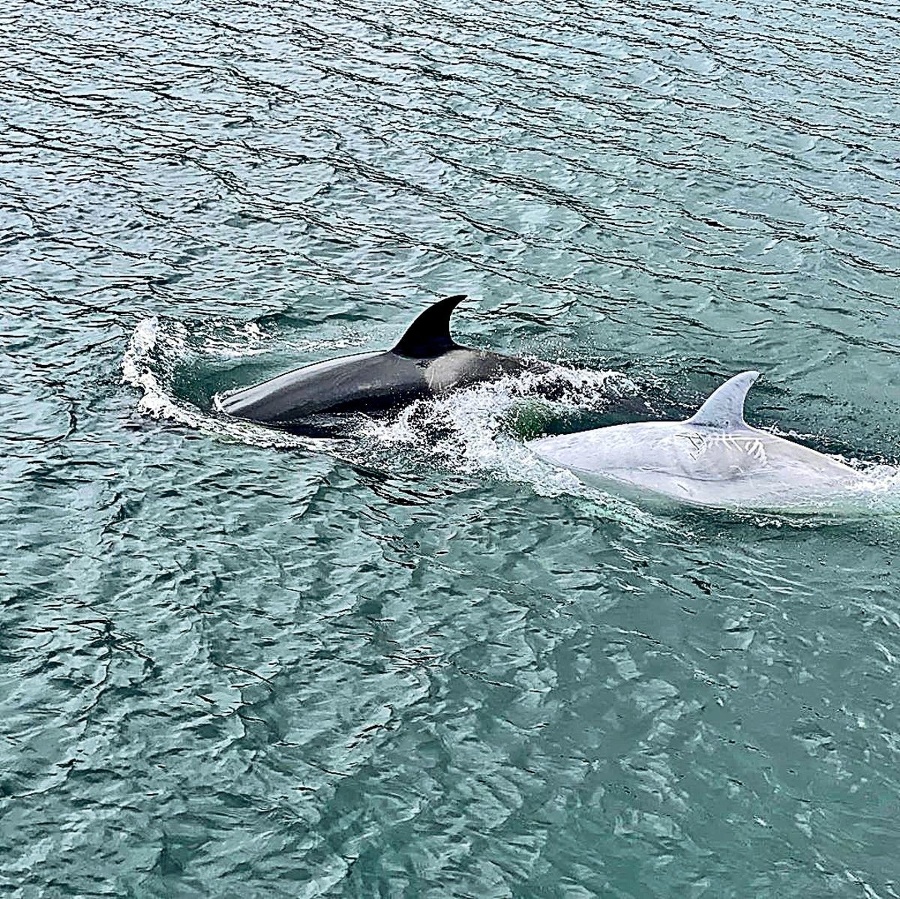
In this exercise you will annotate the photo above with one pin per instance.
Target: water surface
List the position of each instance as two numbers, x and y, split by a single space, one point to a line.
419 664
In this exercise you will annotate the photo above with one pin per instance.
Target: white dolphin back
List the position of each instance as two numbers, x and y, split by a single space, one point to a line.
714 458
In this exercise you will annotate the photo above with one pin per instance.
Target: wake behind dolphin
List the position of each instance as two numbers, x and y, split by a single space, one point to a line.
713 458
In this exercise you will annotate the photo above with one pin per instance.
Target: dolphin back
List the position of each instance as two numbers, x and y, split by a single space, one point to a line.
425 362
713 459
364 382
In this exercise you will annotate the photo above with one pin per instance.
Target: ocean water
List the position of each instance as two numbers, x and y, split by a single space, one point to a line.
416 662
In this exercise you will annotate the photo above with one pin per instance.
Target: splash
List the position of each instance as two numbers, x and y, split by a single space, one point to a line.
479 431
155 350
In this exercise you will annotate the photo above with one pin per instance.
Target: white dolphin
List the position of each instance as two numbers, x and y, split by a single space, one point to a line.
713 458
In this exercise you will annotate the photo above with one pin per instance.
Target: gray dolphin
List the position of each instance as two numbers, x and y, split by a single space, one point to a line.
714 458
425 362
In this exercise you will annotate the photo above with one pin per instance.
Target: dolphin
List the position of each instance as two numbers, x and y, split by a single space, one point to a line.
425 362
713 458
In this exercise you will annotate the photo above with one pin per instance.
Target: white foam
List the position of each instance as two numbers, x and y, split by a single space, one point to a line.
468 432
149 358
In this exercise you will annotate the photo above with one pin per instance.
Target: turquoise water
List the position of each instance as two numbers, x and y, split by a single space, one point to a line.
416 663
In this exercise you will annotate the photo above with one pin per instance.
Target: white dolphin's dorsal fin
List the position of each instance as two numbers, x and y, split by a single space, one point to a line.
725 407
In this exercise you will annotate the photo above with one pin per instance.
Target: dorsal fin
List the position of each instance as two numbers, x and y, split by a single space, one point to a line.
429 334
725 407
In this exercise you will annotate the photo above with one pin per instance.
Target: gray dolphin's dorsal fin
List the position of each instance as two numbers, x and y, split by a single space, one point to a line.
725 407
429 334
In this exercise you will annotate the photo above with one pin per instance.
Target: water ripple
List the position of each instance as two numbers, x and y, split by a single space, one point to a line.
244 664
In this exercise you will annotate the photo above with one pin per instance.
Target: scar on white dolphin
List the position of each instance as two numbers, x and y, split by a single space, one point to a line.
713 458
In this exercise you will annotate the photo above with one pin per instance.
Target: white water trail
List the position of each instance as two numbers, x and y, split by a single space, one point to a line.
143 367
